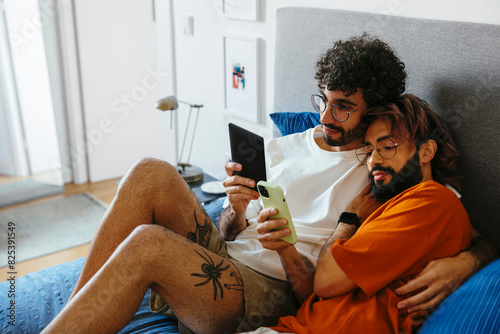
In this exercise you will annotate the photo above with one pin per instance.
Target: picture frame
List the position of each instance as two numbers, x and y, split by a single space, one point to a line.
241 9
242 76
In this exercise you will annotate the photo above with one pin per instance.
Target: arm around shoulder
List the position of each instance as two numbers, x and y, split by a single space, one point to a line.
481 250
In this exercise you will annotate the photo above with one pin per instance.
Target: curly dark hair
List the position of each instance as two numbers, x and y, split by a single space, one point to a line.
412 118
362 62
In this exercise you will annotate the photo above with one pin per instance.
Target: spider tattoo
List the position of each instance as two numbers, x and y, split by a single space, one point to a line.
212 273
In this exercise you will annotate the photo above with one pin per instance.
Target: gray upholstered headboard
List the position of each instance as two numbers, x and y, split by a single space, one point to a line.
455 66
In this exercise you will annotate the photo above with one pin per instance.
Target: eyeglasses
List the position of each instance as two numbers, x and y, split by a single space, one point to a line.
386 148
339 111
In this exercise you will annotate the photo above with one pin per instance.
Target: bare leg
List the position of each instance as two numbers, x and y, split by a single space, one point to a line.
152 192
192 280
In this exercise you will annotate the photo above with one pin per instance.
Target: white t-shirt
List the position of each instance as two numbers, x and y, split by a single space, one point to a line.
318 186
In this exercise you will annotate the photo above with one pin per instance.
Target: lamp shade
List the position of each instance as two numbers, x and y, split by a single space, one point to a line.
190 173
167 103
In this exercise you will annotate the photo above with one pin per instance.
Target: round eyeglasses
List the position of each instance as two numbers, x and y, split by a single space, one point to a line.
386 148
339 111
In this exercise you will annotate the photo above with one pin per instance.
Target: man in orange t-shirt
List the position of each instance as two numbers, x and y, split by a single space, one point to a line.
410 155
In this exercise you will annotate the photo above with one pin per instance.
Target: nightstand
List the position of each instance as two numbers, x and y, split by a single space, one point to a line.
202 196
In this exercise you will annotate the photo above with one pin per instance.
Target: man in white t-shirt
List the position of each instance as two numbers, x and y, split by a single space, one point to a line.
320 179
156 235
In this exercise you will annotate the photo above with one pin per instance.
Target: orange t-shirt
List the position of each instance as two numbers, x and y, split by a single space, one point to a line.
393 245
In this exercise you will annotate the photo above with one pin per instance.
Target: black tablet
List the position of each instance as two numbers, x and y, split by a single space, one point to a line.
247 149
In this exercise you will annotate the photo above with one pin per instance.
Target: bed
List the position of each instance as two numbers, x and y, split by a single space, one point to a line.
455 66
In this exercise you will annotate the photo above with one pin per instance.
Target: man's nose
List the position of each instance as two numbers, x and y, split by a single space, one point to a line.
375 159
327 116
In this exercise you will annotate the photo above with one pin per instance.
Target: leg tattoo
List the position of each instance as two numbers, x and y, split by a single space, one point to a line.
203 232
211 272
239 282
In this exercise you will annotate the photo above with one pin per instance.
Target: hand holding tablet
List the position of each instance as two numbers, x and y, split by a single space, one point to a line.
247 149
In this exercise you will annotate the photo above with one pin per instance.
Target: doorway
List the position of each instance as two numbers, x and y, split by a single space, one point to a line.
30 162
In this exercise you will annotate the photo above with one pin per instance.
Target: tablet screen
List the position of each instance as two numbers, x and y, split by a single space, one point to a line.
247 149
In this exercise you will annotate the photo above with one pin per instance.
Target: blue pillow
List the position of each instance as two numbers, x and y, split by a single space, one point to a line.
473 308
294 122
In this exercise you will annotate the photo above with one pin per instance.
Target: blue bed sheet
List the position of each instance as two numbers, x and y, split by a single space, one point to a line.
41 295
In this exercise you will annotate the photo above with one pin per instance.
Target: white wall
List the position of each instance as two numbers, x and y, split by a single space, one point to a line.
199 58
166 64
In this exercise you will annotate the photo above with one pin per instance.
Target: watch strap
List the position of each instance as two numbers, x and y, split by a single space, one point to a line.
350 218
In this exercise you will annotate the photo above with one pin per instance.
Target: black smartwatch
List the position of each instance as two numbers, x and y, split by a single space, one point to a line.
350 218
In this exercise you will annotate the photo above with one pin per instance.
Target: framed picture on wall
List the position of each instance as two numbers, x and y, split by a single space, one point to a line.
241 9
241 76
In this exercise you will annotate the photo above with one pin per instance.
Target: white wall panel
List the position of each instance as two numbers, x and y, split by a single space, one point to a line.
119 78
33 88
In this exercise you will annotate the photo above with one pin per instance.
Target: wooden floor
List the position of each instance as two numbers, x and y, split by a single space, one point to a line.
105 191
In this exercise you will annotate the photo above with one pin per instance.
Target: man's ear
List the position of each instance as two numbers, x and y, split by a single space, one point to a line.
427 151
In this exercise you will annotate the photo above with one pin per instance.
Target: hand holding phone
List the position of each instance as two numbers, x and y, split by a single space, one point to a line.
273 197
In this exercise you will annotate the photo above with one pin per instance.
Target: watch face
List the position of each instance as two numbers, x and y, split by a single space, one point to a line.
350 218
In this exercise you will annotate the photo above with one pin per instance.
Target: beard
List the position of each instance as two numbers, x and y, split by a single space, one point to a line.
409 176
346 137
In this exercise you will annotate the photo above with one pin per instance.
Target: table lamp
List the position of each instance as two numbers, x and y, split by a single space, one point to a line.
189 172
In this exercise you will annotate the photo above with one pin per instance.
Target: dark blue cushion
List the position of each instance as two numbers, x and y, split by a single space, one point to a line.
473 308
294 122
